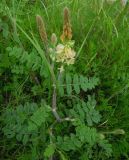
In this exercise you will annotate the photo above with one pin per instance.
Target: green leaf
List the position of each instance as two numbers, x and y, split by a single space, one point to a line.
25 139
68 143
61 85
84 156
106 146
88 84
19 137
39 116
32 126
96 117
93 82
89 120
62 156
84 83
86 111
68 84
80 111
76 84
75 141
86 134
49 151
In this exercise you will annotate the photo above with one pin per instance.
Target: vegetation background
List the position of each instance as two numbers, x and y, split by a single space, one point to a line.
95 90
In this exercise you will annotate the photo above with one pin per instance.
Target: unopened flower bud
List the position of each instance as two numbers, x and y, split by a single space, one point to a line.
54 39
118 131
42 29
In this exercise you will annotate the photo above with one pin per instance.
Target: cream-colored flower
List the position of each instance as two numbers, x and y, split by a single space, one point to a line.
65 54
61 69
60 48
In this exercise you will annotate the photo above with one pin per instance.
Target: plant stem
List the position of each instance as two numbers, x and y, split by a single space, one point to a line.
54 107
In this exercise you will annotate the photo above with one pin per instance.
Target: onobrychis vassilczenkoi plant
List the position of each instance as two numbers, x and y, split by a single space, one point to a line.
61 53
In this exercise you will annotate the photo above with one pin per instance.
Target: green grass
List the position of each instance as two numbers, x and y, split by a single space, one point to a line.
101 33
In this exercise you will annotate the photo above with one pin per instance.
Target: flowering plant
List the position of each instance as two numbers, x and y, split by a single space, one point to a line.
63 53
